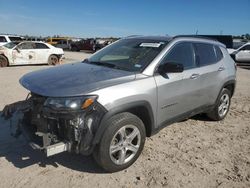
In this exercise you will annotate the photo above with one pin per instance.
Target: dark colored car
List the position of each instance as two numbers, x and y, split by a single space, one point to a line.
85 44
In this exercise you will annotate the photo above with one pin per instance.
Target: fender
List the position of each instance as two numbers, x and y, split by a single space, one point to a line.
124 108
228 83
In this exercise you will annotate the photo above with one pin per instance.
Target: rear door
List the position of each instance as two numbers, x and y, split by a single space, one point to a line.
24 53
178 93
209 59
43 52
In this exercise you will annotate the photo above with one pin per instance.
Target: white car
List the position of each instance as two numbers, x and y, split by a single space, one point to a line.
242 54
4 39
21 53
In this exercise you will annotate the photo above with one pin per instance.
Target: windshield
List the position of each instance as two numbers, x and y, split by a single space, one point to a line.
132 55
10 45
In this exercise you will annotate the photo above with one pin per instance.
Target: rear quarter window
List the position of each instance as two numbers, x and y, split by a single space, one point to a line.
219 54
205 54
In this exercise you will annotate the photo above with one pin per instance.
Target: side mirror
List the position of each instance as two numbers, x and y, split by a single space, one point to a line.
170 68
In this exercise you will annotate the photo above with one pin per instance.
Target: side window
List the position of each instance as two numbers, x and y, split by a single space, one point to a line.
26 46
182 53
205 54
218 52
41 46
3 39
247 47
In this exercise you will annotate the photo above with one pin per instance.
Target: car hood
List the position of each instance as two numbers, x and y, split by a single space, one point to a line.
73 79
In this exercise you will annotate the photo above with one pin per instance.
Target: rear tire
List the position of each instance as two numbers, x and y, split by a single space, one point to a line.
3 61
121 143
53 60
222 106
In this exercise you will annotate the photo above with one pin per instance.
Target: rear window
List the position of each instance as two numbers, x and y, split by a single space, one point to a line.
2 39
205 54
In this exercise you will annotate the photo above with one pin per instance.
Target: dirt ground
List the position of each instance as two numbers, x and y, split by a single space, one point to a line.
192 153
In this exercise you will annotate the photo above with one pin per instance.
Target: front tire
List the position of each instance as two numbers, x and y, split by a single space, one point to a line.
121 143
53 60
3 61
222 106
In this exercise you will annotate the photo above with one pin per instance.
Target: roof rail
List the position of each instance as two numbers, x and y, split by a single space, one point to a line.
131 36
196 36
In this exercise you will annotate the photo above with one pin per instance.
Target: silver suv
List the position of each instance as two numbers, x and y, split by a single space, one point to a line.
108 104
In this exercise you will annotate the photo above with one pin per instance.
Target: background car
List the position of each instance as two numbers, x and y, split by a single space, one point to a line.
85 44
65 44
242 54
19 53
4 39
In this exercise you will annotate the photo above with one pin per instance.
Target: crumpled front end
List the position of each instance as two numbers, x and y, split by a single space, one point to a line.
55 131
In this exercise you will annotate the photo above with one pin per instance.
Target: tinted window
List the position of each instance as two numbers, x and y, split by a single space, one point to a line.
15 38
3 39
41 46
26 46
182 53
219 54
205 54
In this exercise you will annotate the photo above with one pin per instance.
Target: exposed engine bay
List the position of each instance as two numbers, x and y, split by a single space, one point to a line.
55 131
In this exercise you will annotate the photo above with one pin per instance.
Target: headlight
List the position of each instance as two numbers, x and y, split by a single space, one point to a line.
70 103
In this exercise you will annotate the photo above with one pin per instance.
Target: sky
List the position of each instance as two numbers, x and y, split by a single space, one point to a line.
119 18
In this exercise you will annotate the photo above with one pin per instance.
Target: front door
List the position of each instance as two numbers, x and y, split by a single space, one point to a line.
178 93
24 54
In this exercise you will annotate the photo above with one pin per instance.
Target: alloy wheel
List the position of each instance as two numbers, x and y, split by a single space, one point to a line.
224 105
125 144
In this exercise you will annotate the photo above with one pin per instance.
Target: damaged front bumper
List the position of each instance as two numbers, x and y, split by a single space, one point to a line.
55 131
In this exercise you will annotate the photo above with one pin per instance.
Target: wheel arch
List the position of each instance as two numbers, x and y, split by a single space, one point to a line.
230 85
58 56
141 109
6 58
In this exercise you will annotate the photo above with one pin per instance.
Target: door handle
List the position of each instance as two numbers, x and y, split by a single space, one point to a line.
221 69
194 76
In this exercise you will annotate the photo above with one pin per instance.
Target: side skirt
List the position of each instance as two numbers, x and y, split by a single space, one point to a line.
181 117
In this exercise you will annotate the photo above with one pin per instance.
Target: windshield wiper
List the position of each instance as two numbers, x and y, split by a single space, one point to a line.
105 64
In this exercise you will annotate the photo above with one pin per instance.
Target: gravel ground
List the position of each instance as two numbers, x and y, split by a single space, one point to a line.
193 153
